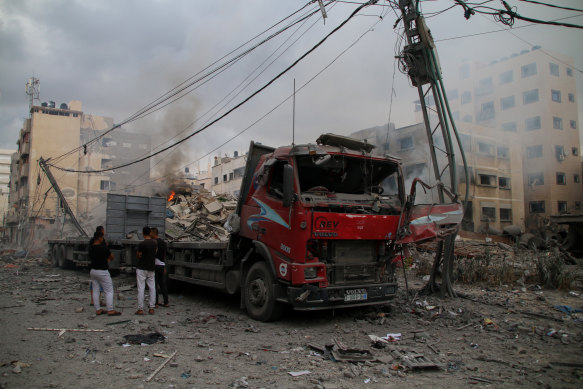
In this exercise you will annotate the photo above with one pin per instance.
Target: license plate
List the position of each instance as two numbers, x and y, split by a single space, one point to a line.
355 295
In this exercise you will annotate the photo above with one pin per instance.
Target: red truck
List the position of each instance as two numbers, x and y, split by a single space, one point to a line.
317 226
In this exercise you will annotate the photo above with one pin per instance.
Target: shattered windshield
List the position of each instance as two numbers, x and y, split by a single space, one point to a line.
350 175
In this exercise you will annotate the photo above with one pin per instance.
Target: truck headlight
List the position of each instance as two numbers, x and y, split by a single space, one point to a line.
310 273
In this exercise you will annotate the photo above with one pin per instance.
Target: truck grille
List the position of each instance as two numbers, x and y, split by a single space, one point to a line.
352 262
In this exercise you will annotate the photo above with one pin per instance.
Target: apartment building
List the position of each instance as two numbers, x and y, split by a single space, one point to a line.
5 161
495 171
531 94
227 174
53 132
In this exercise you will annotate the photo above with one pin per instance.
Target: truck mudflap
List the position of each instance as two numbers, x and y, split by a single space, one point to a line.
429 221
310 297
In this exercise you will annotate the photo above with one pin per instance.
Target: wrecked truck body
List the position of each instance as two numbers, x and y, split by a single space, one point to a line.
316 226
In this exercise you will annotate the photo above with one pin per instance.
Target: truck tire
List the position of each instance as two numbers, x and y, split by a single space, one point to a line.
259 295
55 255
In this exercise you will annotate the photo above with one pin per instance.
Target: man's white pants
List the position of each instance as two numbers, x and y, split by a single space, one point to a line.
102 279
144 277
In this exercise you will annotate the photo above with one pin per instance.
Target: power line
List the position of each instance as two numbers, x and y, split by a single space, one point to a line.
236 106
552 5
189 83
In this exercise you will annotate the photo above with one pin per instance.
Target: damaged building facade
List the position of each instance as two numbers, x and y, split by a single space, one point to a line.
532 95
53 132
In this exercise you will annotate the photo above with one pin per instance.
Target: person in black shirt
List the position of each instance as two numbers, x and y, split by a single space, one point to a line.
160 265
145 271
100 257
102 230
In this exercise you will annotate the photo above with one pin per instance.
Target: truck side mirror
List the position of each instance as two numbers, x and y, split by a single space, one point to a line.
288 185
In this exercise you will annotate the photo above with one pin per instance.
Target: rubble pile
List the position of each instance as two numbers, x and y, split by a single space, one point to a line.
199 216
496 263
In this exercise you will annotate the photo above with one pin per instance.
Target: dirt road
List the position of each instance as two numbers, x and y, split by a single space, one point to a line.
503 337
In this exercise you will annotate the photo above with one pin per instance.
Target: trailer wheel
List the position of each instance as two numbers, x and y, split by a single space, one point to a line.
259 295
55 255
61 257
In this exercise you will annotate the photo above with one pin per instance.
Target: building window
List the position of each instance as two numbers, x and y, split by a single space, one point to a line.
506 77
571 98
467 119
231 176
569 72
573 124
505 214
554 68
487 111
576 178
534 151
507 102
504 182
486 148
127 145
557 123
107 142
503 152
561 179
106 163
466 142
488 214
556 95
466 97
560 153
577 205
464 71
216 180
406 143
487 180
536 206
510 126
533 123
106 185
562 207
485 87
530 96
224 178
575 151
536 179
237 173
142 146
528 70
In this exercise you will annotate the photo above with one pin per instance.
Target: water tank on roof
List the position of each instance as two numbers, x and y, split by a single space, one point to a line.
44 104
64 106
51 104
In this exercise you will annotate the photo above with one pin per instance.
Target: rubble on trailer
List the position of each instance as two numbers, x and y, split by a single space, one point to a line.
199 216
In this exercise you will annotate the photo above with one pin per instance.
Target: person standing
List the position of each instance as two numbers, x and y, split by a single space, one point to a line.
161 274
102 230
100 257
145 271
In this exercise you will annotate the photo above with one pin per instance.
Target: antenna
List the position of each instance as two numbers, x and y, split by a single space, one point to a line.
294 116
32 90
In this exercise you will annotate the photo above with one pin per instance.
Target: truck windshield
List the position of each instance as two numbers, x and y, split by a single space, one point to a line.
342 174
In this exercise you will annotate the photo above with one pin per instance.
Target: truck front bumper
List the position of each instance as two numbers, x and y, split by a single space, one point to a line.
310 297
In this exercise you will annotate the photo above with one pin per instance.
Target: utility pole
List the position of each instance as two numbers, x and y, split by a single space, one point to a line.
45 168
419 61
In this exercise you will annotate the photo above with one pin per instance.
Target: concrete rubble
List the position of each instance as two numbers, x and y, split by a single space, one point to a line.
199 216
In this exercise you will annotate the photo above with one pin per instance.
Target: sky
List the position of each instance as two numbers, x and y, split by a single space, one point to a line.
118 56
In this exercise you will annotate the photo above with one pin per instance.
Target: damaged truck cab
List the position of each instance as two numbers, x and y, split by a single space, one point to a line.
318 225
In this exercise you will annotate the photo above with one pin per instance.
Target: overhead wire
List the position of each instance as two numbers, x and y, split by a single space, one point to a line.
303 56
239 86
552 5
179 88
278 105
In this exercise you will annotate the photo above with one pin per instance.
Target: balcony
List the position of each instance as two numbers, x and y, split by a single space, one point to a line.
24 170
25 149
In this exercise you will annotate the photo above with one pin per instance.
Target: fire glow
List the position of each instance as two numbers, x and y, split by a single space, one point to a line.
171 196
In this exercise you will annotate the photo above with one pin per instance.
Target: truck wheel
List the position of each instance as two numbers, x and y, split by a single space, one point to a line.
55 255
259 297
